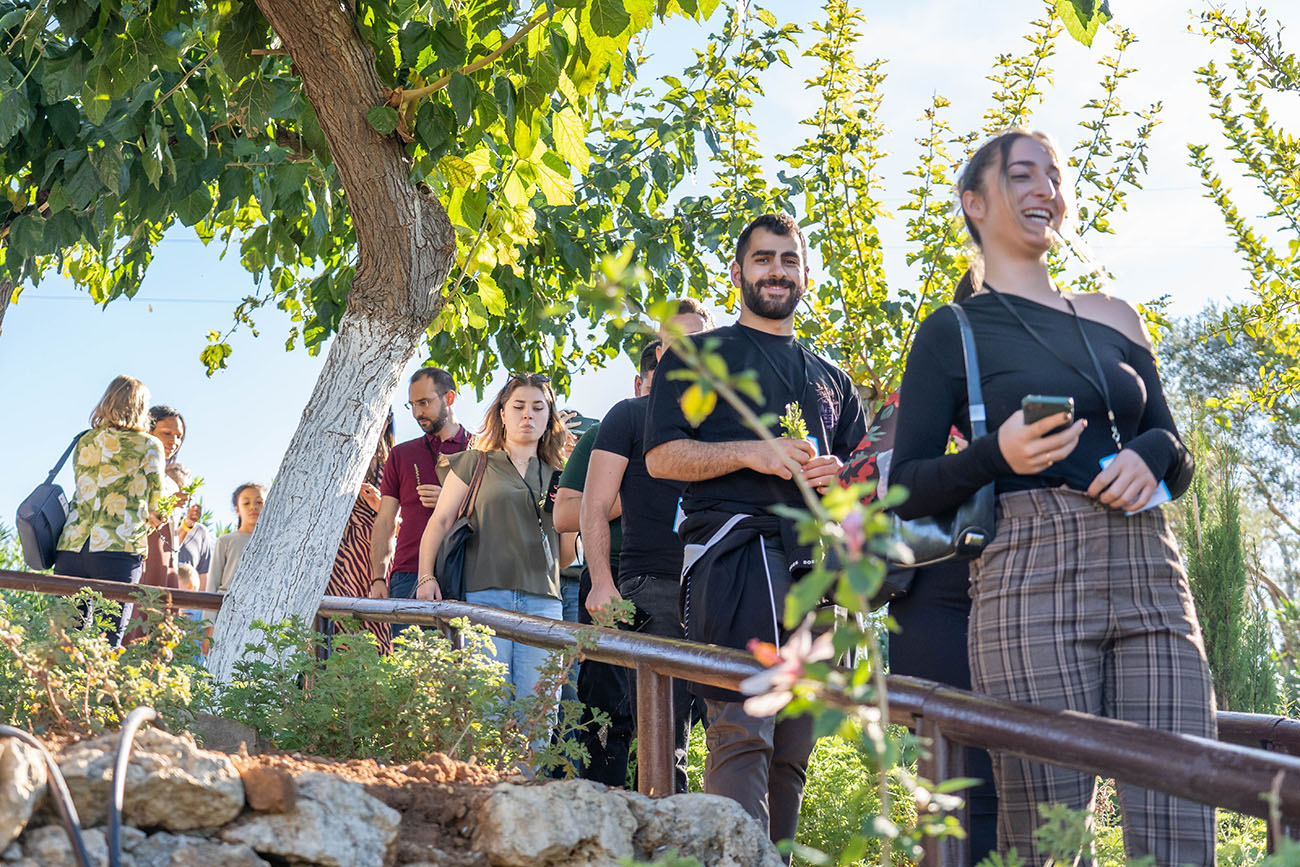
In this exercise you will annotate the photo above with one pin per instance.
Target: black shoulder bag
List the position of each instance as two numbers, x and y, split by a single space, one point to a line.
42 515
449 567
962 532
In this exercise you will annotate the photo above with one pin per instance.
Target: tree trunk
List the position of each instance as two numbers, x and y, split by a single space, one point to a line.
406 247
6 292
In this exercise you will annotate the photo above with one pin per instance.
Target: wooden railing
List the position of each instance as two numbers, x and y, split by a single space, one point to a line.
1252 768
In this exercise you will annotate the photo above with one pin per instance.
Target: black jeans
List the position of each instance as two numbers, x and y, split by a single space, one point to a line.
604 687
934 618
120 566
659 598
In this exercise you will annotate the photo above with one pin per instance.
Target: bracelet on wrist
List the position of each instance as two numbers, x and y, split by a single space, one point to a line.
374 581
425 580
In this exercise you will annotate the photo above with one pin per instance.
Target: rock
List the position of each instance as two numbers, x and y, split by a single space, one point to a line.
712 829
226 735
23 777
170 783
49 846
335 824
269 790
131 838
156 850
569 823
13 853
215 855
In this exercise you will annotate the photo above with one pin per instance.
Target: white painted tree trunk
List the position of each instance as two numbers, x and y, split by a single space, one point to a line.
286 566
6 292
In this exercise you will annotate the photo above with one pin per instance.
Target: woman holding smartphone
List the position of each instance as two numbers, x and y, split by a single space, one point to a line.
1080 601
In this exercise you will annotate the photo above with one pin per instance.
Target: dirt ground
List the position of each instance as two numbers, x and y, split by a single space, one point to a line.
437 798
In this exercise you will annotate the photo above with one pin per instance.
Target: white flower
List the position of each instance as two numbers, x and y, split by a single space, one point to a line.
88 455
136 487
108 474
115 505
153 459
773 689
99 539
109 443
86 488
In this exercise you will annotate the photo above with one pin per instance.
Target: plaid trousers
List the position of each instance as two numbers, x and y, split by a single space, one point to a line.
1079 607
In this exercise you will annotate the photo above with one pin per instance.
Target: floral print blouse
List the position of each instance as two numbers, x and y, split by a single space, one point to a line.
119 480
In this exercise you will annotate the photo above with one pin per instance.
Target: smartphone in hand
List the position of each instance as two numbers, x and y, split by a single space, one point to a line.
1037 407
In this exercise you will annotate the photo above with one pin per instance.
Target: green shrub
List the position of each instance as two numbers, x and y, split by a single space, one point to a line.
426 696
58 678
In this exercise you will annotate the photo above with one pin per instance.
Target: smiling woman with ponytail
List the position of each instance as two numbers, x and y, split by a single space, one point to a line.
1080 601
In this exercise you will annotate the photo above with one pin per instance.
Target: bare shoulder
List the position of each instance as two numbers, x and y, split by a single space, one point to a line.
1114 312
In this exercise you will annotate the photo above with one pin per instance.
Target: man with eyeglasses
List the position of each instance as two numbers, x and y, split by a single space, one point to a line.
410 483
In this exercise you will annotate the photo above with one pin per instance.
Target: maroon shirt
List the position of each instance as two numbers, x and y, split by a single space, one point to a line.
415 462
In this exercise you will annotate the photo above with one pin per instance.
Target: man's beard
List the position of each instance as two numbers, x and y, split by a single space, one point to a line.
771 308
437 424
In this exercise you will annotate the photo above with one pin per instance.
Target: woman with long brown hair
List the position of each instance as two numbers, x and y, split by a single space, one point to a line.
513 560
1080 602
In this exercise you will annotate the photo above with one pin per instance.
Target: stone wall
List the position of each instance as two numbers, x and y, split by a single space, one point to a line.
189 807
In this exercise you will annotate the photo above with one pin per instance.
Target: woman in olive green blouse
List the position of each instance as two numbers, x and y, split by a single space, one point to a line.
513 559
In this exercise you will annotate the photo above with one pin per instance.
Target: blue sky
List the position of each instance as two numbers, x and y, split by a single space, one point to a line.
58 350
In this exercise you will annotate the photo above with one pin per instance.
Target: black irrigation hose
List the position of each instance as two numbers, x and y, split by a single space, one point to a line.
133 721
62 799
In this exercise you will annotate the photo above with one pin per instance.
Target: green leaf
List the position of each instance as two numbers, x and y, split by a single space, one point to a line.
569 133
383 119
462 91
609 17
697 404
1082 17
194 207
553 179
107 161
457 171
243 31
26 234
15 110
64 119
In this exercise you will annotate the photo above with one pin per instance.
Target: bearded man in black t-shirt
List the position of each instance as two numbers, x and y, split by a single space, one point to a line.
741 559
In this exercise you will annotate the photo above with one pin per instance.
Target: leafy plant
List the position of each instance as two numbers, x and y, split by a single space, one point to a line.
792 423
59 677
426 696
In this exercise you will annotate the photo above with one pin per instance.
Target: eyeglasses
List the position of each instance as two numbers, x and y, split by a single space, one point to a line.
422 403
532 378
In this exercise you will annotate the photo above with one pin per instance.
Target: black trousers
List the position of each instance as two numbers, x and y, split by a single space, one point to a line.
604 687
119 566
933 618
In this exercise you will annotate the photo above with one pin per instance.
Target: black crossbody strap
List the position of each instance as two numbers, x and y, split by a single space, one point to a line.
72 445
974 393
1099 384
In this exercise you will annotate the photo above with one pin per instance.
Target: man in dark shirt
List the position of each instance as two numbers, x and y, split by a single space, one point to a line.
410 483
650 563
740 560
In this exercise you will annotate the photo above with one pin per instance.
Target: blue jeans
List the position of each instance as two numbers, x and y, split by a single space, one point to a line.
569 587
522 661
401 585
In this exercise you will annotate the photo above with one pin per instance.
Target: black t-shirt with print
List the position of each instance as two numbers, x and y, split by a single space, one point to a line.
785 372
650 545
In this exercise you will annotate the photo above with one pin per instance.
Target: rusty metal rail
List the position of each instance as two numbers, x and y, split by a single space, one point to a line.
1255 754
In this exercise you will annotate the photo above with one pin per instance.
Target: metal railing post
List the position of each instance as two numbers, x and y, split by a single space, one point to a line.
654 732
943 760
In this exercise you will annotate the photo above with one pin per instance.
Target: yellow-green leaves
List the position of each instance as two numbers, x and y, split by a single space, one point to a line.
697 402
1083 17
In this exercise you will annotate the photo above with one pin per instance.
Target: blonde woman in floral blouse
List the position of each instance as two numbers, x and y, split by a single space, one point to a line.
119 469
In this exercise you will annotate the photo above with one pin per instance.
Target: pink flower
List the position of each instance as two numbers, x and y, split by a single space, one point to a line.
773 689
854 536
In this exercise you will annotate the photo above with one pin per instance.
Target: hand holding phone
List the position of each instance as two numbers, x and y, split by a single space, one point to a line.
1038 407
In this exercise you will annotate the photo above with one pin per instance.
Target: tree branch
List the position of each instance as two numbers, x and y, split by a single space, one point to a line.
400 96
1268 501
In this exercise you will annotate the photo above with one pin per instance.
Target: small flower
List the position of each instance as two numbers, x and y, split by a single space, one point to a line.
109 444
854 536
115 504
773 689
99 539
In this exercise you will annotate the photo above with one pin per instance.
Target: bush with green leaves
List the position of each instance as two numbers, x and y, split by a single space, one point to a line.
57 677
427 696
